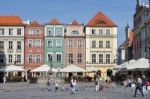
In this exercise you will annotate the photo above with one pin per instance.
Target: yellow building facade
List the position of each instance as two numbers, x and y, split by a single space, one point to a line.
101 44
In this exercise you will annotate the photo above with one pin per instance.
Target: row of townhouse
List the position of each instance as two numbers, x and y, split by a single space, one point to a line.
31 45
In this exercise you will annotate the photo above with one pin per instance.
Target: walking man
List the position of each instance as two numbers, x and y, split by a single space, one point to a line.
139 86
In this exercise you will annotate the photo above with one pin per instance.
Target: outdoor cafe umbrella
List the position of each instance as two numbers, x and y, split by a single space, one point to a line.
141 63
72 69
11 68
44 68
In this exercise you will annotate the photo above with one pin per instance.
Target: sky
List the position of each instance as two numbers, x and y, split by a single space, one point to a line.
119 11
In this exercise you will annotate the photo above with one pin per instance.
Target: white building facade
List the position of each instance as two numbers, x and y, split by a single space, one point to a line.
11 41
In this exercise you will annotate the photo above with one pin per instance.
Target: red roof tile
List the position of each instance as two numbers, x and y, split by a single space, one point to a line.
54 22
10 20
34 23
101 20
74 23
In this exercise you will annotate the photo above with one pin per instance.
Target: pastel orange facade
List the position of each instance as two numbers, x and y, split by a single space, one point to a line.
75 45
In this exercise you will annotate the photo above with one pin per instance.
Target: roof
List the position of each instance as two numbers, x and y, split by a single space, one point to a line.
74 23
54 21
34 23
131 39
101 20
10 20
123 44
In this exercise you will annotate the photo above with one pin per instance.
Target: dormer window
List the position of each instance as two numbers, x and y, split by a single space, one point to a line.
100 23
75 32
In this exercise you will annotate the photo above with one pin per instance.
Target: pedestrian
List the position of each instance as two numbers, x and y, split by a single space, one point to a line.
71 85
97 84
144 80
139 86
56 86
4 79
74 86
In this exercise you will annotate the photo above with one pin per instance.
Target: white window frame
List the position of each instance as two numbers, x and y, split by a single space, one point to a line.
1 44
19 31
93 44
79 57
61 57
30 44
58 43
107 44
38 43
101 58
70 43
107 31
49 45
48 57
79 43
93 58
10 58
1 31
10 44
37 59
107 58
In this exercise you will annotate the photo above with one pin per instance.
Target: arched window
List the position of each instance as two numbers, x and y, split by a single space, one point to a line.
75 32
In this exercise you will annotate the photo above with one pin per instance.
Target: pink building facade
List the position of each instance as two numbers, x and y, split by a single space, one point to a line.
34 45
75 45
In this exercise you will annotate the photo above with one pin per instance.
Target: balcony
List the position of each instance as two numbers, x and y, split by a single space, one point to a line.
10 50
18 50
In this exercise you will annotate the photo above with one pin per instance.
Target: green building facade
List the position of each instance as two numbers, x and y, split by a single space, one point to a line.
54 44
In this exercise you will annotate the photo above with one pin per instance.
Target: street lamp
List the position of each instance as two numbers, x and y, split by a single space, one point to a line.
50 63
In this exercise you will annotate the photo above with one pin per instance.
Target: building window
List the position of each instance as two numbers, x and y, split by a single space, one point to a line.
93 31
2 58
100 58
100 44
79 43
10 44
18 58
50 43
1 44
37 58
58 57
79 58
38 43
30 43
10 31
58 32
1 31
93 58
18 31
107 44
10 58
30 59
107 32
100 32
50 57
18 45
70 58
75 32
49 32
70 43
93 44
58 43
37 32
107 58
31 31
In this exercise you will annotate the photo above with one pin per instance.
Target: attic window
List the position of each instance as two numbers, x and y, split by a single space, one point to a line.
101 23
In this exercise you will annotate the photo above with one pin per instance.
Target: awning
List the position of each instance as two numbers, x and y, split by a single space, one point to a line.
72 68
11 68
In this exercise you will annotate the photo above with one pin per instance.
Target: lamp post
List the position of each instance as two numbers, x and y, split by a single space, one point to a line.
50 63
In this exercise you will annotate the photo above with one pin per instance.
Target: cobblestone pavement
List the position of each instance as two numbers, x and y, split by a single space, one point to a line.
84 91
